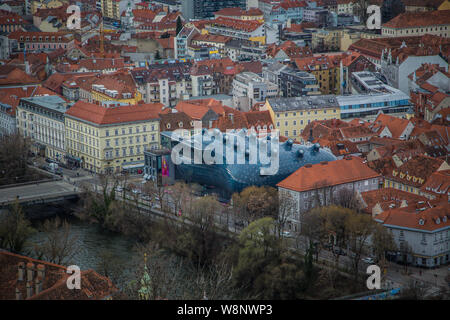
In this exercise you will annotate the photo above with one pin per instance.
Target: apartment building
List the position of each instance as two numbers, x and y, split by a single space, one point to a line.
238 29
318 184
41 41
164 83
418 24
109 137
294 83
424 230
325 68
292 115
249 88
41 119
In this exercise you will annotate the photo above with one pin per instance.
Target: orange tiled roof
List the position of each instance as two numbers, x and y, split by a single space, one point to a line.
419 19
415 171
100 115
54 283
395 125
438 184
429 219
328 174
389 198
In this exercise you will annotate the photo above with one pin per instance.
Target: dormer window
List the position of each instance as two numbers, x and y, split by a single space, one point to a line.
180 124
168 126
438 221
421 222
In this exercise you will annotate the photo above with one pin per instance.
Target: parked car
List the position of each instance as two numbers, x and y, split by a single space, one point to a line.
286 234
119 189
136 191
146 197
368 260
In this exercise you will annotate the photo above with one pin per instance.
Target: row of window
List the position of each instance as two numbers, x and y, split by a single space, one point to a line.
137 139
301 113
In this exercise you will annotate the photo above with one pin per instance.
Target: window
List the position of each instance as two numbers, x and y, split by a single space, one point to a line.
107 133
130 130
117 141
124 152
107 143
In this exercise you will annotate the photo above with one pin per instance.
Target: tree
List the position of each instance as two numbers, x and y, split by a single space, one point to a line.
99 206
286 209
382 243
15 228
313 229
60 245
258 248
179 25
254 202
199 239
347 198
360 227
13 158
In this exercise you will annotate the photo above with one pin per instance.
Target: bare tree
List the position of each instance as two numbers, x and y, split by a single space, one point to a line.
360 227
60 244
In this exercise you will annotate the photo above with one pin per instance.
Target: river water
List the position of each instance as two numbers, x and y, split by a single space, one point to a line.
91 242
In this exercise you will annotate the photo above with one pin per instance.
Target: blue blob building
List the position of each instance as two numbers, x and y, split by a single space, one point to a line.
242 164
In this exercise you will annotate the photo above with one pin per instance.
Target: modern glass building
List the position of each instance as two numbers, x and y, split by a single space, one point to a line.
243 160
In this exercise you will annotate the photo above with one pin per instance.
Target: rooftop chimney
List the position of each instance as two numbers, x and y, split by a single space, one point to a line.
21 270
30 271
41 271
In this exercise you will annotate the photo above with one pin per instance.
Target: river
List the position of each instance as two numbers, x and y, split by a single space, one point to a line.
92 241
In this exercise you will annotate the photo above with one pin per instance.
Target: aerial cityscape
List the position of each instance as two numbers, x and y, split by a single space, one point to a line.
232 150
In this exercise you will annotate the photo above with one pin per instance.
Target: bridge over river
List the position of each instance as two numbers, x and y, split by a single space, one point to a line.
38 193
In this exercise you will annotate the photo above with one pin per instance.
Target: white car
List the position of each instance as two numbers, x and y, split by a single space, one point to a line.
136 191
286 234
368 260
146 197
119 189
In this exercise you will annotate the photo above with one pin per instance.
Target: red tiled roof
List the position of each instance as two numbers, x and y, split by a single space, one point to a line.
98 114
54 283
409 217
419 19
389 198
415 171
395 125
328 174
236 24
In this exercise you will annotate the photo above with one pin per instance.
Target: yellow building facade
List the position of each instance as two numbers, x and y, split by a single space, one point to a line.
290 117
104 143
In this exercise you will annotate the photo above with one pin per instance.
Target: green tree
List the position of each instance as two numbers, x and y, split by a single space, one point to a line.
15 228
259 247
